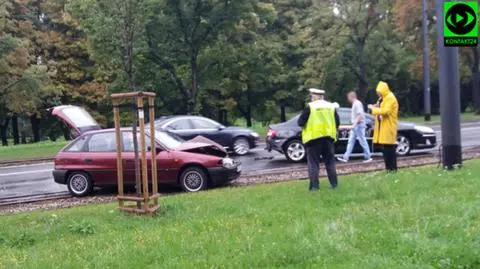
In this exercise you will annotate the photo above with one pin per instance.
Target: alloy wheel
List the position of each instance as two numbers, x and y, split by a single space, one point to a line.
193 181
241 146
296 151
403 145
79 184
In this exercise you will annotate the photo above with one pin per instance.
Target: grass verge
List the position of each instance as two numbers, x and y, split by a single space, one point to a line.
30 151
418 218
435 119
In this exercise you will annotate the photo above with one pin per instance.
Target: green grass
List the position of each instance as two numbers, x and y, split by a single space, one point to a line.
30 151
418 218
465 117
258 127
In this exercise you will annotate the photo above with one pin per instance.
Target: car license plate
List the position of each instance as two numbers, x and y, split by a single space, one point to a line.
239 168
428 142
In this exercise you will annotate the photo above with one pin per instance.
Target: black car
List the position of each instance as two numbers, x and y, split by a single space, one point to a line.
286 137
239 140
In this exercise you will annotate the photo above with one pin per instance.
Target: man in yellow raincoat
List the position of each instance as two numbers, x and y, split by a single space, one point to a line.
385 133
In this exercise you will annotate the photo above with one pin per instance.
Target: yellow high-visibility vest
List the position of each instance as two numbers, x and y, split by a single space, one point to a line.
321 122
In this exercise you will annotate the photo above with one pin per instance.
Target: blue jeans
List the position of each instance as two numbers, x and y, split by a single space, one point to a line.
357 133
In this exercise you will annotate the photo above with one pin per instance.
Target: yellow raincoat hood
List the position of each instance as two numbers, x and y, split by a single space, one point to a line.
383 89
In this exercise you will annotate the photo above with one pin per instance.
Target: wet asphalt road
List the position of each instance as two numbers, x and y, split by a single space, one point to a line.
35 179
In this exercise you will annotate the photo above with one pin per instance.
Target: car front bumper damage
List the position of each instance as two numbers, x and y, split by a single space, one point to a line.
223 175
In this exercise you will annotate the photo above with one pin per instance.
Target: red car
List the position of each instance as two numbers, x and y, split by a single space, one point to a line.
90 159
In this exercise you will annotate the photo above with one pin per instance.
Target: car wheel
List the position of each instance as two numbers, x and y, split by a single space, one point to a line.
403 145
295 151
79 184
193 179
241 146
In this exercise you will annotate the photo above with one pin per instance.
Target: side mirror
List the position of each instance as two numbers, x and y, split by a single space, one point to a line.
221 127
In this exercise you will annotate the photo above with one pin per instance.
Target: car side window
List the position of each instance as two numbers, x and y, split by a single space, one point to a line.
127 138
183 124
102 142
203 124
78 145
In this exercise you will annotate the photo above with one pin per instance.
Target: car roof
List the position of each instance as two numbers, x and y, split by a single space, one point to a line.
165 119
108 130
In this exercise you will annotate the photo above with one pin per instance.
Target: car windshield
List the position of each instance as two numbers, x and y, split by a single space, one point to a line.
169 140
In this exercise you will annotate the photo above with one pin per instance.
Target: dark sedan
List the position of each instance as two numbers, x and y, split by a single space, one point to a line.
239 140
286 137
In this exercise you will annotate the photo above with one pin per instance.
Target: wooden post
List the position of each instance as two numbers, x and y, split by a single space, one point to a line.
143 151
144 196
151 110
116 119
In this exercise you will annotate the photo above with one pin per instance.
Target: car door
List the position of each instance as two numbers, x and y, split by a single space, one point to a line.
76 118
181 127
211 130
343 131
99 158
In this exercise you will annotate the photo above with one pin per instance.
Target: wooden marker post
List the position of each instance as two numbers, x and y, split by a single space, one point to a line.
143 199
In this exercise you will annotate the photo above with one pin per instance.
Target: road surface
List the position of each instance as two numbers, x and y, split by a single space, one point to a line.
35 179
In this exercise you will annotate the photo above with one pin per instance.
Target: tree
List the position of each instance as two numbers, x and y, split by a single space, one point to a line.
178 32
360 18
21 77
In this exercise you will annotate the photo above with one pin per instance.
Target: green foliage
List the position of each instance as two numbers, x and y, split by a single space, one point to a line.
222 59
22 240
82 228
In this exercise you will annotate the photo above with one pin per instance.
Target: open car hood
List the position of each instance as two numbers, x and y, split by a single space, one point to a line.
76 118
202 145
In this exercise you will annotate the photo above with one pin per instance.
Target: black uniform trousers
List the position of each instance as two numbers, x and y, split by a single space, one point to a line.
318 149
390 157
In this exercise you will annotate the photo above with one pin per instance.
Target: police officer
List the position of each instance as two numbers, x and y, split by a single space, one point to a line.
319 121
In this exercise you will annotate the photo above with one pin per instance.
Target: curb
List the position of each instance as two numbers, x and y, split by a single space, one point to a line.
27 161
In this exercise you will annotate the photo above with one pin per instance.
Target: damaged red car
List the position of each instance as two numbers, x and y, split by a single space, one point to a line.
90 159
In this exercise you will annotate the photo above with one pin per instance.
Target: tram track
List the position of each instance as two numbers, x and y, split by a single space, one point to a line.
250 178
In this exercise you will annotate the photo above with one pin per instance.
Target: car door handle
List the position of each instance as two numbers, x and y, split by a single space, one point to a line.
88 160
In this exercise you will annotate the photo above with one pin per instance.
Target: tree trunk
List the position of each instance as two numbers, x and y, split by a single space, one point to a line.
66 133
35 122
476 92
283 114
24 136
3 132
362 83
222 116
476 80
191 102
249 115
249 106
16 135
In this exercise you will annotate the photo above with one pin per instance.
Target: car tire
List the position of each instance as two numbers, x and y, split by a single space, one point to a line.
241 146
79 184
295 151
193 179
404 145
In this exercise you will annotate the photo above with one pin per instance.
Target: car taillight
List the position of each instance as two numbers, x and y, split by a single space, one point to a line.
271 133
